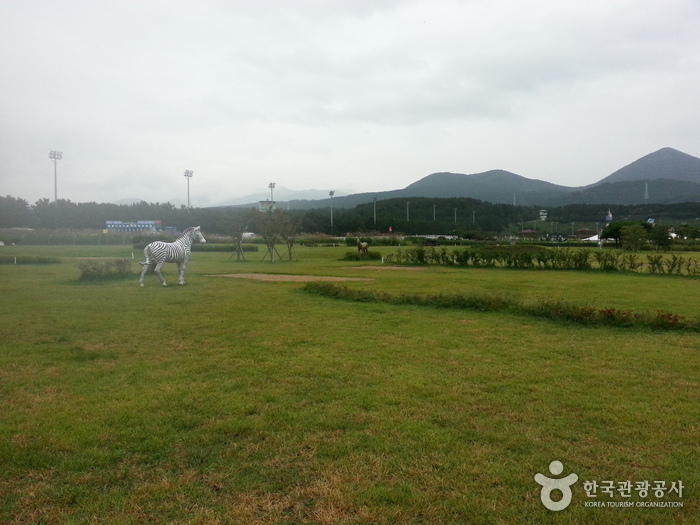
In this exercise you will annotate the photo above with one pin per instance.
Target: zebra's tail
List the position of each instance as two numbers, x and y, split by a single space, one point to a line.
147 255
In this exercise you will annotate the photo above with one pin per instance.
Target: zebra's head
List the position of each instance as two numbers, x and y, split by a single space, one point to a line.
196 235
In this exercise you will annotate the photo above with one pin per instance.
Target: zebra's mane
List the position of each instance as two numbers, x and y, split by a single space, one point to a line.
188 233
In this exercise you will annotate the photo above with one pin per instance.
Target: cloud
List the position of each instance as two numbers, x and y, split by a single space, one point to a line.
363 95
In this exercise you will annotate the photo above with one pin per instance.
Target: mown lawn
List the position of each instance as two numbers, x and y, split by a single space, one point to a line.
239 401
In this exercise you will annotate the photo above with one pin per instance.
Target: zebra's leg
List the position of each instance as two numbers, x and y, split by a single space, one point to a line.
159 274
145 265
181 267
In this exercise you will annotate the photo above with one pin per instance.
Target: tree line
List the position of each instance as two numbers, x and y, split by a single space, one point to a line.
468 218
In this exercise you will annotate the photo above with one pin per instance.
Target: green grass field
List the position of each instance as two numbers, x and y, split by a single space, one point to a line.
241 401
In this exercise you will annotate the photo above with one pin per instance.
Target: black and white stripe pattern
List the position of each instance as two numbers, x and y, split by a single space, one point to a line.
158 253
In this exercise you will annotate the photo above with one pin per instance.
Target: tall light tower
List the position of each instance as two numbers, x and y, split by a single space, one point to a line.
55 156
188 175
272 200
331 193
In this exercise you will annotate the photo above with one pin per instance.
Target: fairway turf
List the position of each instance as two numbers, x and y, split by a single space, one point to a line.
243 401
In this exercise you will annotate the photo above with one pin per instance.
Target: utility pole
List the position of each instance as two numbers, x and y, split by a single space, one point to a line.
331 193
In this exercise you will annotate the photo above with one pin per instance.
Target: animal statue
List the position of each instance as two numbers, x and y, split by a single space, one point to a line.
158 253
362 247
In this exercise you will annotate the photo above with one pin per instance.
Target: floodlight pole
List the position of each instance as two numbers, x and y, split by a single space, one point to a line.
55 156
272 199
188 176
331 193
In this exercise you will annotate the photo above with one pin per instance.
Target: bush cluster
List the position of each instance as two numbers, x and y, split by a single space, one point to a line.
555 310
530 257
101 270
357 256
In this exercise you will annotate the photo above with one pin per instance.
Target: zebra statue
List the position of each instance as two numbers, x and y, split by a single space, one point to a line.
158 253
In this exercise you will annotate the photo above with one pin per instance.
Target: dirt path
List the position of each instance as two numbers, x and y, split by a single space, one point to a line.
288 278
406 268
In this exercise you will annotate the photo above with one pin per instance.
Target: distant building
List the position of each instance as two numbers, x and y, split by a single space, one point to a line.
133 226
584 233
266 205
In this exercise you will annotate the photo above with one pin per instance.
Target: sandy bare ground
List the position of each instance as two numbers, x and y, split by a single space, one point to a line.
288 278
407 268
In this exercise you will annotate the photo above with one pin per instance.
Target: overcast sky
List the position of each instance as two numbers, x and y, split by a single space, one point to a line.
345 95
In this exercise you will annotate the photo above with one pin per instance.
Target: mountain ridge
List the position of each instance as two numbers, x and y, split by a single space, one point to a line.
664 176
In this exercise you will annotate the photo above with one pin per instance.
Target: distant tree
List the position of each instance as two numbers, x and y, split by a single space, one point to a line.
235 225
614 230
661 237
633 236
289 227
269 229
14 213
45 214
314 222
687 231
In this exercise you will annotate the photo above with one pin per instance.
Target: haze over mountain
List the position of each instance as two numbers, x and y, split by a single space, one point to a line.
281 194
667 163
665 176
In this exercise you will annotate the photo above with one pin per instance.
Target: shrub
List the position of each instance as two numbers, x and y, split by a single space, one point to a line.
692 266
417 255
655 263
675 265
629 262
606 260
100 270
357 256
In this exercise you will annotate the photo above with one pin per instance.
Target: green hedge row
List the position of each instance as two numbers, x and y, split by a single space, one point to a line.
555 310
28 259
531 256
